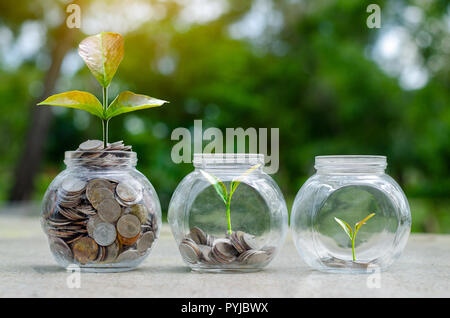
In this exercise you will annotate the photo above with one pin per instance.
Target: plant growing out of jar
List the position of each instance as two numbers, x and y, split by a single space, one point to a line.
351 233
222 191
102 54
101 212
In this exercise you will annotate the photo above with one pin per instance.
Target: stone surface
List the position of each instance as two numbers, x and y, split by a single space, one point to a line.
27 269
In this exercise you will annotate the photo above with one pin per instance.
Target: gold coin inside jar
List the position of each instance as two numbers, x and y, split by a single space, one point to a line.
127 241
85 250
128 226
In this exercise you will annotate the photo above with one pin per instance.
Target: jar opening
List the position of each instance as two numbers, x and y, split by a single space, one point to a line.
227 159
350 163
100 159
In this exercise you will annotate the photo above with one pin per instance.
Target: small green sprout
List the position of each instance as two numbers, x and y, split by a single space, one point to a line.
352 232
222 191
102 54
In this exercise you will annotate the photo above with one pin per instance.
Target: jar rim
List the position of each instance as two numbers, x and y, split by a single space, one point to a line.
201 159
350 161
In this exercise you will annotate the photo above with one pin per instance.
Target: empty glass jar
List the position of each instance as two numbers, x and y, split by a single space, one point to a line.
100 213
228 215
350 216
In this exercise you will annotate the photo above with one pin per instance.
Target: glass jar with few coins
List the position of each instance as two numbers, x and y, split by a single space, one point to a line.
350 216
228 215
100 213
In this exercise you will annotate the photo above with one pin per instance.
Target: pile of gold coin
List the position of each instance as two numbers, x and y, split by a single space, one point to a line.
99 220
239 248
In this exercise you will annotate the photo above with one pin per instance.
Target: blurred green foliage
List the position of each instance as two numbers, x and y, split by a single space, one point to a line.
312 71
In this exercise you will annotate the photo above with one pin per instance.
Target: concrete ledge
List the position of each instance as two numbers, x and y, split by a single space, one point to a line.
27 269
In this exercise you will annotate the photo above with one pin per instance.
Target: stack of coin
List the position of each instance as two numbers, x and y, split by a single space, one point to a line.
96 156
239 248
100 220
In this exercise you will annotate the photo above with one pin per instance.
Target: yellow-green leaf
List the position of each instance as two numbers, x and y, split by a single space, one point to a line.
128 102
76 99
237 181
218 185
102 54
345 226
363 221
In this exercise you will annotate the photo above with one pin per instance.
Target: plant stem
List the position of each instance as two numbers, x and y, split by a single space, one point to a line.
105 122
353 247
229 214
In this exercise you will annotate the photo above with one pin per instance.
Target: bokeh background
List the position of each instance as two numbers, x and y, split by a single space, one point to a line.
310 67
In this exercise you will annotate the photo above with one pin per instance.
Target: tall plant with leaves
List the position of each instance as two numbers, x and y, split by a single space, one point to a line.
351 233
223 192
102 54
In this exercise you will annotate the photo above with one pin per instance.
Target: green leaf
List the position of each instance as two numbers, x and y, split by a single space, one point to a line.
102 54
76 99
363 221
237 181
218 185
128 102
347 228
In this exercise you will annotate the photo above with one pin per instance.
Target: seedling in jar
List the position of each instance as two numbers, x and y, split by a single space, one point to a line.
352 232
102 54
222 191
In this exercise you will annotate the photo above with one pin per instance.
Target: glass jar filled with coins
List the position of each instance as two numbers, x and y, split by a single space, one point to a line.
100 213
228 215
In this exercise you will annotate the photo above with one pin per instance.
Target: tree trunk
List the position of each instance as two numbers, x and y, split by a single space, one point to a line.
40 119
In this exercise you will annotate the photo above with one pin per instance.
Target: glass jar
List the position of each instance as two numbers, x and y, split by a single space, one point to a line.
344 191
100 213
217 232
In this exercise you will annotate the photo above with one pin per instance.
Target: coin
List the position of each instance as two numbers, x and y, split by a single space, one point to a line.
140 211
98 183
223 251
92 223
252 257
97 195
85 250
206 254
61 249
127 256
90 145
112 251
101 254
86 209
189 251
109 210
49 205
145 242
104 234
127 241
126 193
198 236
128 226
236 241
95 156
73 185
248 241
76 238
